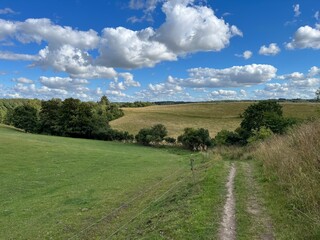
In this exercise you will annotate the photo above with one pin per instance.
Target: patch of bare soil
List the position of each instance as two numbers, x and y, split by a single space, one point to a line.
228 225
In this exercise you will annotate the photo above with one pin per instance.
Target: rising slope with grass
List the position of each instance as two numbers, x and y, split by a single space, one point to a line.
64 188
55 186
212 116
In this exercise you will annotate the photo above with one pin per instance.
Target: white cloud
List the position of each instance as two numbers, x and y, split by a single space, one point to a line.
317 15
224 93
148 7
246 54
166 88
296 9
271 50
73 61
7 28
314 71
64 83
189 28
306 37
294 75
17 56
128 80
235 76
116 93
23 80
6 11
121 47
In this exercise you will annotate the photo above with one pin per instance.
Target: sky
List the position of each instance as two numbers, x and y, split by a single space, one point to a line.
159 50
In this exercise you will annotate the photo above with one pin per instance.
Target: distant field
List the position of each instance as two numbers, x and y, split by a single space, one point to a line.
54 187
212 116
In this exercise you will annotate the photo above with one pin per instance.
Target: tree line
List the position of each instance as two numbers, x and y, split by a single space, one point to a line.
74 118
71 118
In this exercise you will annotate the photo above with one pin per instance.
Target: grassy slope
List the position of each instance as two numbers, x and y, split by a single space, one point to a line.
54 186
212 116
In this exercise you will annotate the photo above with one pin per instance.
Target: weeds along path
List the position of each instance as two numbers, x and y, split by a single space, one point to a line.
252 220
228 225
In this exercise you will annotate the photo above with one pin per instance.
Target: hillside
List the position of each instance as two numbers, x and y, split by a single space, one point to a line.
212 116
55 186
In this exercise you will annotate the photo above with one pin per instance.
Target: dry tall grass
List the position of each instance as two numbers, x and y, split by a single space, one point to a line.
294 160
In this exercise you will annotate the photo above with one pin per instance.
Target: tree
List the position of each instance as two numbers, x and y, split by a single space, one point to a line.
267 114
195 139
26 118
155 135
50 117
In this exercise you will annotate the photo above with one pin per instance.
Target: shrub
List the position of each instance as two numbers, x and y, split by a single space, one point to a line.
155 135
261 134
225 137
195 139
170 140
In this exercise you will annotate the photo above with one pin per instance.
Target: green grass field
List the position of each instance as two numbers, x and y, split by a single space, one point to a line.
212 116
53 187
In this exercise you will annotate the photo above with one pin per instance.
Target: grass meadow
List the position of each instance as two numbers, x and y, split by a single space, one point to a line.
212 116
64 188
53 187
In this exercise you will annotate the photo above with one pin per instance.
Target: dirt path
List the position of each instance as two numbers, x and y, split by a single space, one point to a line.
227 230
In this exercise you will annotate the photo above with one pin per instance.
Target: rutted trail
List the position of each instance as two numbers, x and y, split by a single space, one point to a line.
228 225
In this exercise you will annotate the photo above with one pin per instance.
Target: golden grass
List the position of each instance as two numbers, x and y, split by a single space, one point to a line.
212 116
294 161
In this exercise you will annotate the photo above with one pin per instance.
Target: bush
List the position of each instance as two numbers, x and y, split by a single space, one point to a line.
261 134
225 137
155 135
195 139
170 140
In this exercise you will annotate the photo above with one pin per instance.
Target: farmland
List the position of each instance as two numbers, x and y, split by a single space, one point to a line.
212 116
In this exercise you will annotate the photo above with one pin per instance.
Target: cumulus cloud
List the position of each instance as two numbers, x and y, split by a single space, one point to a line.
296 9
235 76
121 47
23 80
306 37
294 85
314 71
16 56
246 54
73 61
66 83
225 93
271 50
189 28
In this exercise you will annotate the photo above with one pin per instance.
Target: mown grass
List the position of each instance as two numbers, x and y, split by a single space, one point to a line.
290 168
212 116
53 187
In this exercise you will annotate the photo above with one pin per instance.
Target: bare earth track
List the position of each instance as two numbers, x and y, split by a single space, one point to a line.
228 226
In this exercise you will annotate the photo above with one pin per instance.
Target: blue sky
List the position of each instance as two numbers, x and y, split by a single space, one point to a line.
159 50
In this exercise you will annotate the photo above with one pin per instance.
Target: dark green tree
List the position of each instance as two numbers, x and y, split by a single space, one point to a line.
26 118
195 139
265 114
50 117
154 135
